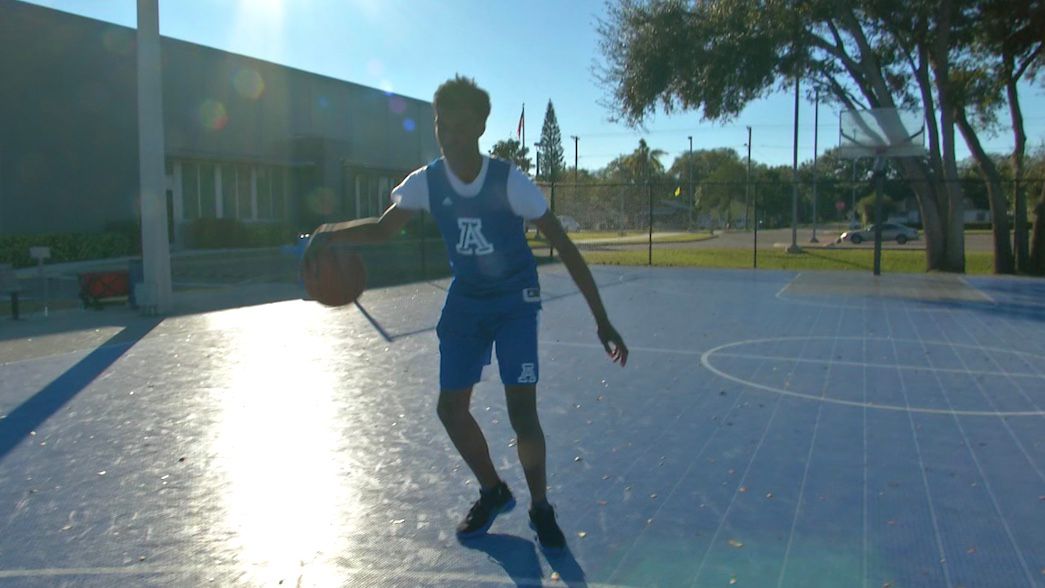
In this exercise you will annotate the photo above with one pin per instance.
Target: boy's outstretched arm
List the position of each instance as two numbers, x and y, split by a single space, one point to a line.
575 264
362 230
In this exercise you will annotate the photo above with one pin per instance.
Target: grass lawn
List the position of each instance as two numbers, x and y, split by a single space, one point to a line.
976 263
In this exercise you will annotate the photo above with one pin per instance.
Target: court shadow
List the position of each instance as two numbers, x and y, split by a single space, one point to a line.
519 559
569 569
811 253
29 415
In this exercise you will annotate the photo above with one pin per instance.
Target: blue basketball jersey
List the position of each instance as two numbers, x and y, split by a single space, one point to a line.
485 239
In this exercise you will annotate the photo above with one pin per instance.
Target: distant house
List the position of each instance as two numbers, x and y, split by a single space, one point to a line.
246 139
910 215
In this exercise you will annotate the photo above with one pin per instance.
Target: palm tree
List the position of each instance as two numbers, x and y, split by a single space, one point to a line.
641 164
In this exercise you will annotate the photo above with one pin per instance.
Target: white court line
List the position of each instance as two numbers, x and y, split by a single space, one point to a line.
809 460
864 572
689 468
986 296
696 458
983 476
779 293
791 300
921 466
747 470
705 360
987 397
899 366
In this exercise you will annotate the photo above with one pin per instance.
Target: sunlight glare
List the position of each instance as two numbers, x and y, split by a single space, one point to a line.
287 503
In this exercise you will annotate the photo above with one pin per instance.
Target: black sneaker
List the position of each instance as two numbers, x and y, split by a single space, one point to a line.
542 520
490 504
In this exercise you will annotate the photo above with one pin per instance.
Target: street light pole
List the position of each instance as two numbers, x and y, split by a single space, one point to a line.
747 198
816 133
689 173
794 248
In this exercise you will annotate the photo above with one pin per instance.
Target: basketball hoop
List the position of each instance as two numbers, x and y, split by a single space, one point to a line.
881 133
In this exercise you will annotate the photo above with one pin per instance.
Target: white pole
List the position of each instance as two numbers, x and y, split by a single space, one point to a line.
151 154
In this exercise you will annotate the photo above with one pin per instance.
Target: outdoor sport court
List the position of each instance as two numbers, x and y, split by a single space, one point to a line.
770 429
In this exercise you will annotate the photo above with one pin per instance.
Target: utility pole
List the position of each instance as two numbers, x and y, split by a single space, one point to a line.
794 248
816 133
747 181
576 139
852 194
747 199
692 192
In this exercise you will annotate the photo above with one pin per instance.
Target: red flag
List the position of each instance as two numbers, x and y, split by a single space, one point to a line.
522 123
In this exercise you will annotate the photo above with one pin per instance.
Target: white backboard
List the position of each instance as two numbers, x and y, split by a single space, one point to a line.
887 132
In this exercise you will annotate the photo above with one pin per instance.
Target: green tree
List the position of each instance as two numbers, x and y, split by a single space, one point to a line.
511 150
716 56
641 165
550 151
1005 44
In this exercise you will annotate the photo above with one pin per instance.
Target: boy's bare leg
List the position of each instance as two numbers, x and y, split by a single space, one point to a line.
522 412
467 437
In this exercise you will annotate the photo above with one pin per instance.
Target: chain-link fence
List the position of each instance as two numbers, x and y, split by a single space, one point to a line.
727 224
667 206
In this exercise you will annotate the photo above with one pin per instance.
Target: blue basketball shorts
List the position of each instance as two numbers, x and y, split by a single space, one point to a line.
469 333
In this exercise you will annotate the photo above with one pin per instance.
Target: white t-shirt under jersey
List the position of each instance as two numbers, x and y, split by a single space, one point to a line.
525 198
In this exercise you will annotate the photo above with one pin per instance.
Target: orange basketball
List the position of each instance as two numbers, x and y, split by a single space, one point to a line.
335 277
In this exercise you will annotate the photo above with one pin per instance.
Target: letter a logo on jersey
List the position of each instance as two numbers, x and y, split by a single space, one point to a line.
472 241
528 375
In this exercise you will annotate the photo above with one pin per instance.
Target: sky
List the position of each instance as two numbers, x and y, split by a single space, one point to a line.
520 52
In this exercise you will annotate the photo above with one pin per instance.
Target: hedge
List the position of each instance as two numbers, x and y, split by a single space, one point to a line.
14 249
226 233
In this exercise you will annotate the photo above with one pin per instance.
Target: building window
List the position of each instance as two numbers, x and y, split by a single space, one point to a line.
190 191
244 207
228 191
279 189
264 193
208 203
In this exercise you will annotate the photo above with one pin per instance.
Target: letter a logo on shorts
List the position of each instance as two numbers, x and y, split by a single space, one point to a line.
472 241
528 375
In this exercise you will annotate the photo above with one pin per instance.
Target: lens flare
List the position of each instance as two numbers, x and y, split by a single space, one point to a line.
409 125
397 105
248 83
320 201
213 116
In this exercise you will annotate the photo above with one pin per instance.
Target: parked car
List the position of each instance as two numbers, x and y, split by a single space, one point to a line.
890 232
569 223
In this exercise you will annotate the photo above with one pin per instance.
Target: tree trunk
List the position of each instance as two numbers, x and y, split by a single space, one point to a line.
1037 247
932 227
1003 260
954 222
1019 196
954 208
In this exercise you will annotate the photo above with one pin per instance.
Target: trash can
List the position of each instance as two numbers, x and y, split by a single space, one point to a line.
136 275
